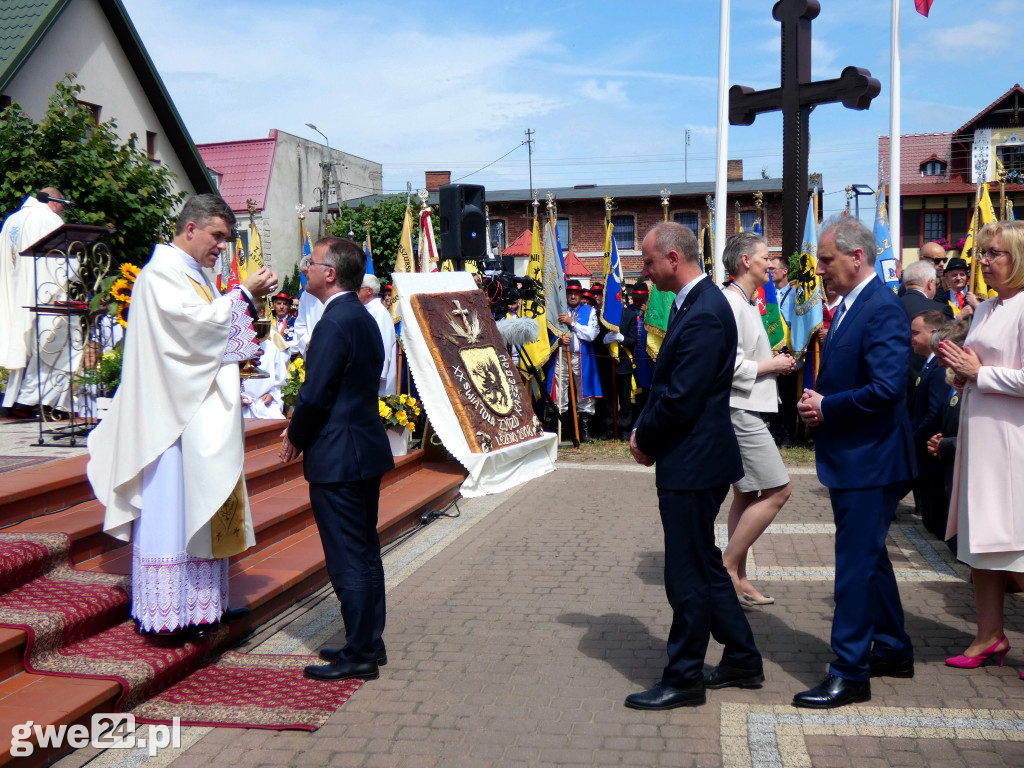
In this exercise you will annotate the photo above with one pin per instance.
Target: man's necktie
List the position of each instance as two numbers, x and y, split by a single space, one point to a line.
960 300
840 311
671 315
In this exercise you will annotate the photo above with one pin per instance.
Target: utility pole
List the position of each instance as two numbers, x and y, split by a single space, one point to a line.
529 150
686 164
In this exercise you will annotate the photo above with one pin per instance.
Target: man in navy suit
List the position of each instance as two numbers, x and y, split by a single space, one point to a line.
865 456
685 431
336 422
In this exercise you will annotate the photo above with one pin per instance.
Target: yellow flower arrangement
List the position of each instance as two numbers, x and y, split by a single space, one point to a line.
399 411
116 294
296 377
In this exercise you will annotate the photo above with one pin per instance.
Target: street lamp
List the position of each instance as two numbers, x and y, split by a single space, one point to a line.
324 180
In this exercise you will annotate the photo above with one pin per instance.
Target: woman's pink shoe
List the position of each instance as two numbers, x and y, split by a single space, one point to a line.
964 661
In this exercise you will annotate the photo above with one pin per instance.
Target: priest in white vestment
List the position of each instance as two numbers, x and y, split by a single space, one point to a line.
389 373
44 379
167 461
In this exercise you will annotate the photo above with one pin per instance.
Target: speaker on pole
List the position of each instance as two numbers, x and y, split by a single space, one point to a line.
463 223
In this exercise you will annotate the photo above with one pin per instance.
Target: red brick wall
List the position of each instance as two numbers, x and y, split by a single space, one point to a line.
586 217
436 179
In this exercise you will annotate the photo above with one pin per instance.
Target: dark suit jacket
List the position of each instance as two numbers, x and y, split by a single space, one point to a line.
336 420
865 439
930 395
685 426
916 302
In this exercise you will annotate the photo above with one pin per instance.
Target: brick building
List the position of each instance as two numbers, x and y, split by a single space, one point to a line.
939 171
636 208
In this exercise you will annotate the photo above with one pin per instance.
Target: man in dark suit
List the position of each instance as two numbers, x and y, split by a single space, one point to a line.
865 457
920 279
935 255
927 400
336 423
685 431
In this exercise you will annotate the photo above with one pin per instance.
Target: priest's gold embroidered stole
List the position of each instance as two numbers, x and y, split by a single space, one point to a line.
227 527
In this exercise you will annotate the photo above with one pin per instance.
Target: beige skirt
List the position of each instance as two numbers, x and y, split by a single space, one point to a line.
762 462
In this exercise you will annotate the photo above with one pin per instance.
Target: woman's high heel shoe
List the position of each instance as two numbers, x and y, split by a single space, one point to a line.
964 661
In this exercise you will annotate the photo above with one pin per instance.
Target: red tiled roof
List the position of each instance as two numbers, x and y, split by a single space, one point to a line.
520 246
915 149
245 167
574 267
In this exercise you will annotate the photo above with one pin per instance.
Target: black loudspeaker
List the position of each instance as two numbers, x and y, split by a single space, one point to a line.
463 223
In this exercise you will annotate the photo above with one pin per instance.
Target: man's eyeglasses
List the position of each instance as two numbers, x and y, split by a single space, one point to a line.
991 254
307 263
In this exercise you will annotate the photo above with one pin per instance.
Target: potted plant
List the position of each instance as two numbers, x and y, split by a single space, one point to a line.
398 413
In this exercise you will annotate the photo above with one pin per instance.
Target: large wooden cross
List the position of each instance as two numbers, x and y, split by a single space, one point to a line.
797 96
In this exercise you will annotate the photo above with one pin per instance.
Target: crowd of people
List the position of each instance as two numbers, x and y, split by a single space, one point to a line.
921 392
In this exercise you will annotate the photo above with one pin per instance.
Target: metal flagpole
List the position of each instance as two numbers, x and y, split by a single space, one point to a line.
722 150
895 207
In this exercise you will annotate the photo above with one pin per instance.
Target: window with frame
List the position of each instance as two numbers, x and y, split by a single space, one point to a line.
151 145
562 225
624 232
92 108
933 168
1011 156
935 225
688 219
747 219
497 235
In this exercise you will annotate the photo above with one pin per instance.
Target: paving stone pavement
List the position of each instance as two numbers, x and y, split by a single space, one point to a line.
516 631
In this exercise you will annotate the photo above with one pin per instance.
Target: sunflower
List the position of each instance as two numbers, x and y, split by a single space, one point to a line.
121 291
122 315
130 272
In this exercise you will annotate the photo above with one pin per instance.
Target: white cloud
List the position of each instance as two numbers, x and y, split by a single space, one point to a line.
611 92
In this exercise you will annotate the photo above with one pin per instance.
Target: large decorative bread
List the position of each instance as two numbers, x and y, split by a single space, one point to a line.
483 386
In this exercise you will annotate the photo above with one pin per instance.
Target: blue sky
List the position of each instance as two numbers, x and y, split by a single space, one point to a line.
608 87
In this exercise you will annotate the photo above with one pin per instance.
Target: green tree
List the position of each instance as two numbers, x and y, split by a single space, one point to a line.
293 283
385 229
112 182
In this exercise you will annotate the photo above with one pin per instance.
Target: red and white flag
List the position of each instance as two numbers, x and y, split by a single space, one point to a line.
427 246
923 6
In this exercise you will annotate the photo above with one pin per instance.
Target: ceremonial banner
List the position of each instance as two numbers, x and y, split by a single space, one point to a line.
307 254
774 324
708 251
428 248
611 311
807 309
885 258
233 277
472 394
554 281
987 214
369 255
254 261
403 261
537 351
656 319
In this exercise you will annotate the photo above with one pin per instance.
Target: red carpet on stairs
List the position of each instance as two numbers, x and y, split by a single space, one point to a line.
78 625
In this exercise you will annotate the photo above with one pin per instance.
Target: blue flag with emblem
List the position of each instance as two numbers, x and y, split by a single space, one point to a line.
885 259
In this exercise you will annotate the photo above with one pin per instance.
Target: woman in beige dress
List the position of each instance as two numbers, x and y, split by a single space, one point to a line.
759 495
987 504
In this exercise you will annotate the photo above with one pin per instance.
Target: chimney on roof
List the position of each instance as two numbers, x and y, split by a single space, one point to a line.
734 171
436 179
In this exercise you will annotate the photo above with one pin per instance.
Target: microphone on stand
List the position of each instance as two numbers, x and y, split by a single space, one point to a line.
46 197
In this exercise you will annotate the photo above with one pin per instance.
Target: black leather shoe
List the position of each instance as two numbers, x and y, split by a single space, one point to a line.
331 654
343 670
834 692
234 614
665 697
724 676
891 667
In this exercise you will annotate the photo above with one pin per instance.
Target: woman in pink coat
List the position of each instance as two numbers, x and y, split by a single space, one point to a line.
987 505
